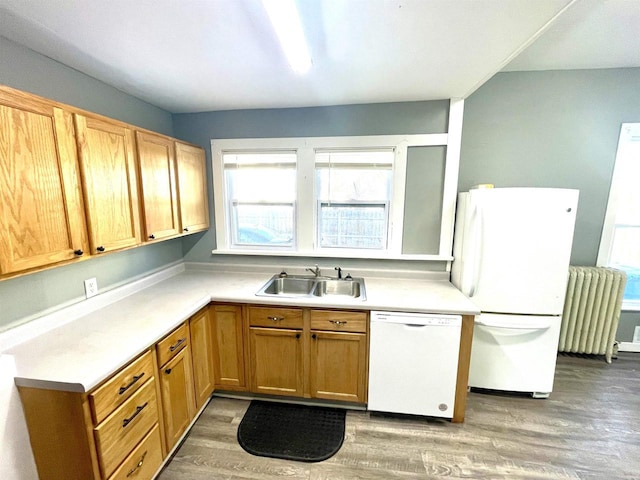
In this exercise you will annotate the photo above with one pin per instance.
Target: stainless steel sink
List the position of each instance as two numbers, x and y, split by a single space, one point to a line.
288 286
349 288
307 286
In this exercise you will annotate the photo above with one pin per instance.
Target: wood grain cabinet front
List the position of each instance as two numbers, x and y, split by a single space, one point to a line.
228 343
338 355
276 361
310 353
201 331
41 207
192 188
77 184
144 461
109 178
118 435
80 436
176 384
157 165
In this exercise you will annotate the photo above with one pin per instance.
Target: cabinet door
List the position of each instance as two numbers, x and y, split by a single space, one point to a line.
202 355
178 405
276 361
41 210
339 366
228 350
107 161
156 159
192 188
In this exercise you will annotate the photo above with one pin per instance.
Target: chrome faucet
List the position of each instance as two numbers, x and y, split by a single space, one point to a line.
339 272
315 270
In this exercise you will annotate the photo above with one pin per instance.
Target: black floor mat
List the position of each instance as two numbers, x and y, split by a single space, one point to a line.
293 432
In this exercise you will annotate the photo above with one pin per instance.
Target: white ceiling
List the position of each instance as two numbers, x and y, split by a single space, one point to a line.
200 55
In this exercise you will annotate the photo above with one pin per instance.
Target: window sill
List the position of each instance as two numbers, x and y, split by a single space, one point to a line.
631 306
373 255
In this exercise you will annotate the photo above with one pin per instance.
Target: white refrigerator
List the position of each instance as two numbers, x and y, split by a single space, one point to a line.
511 257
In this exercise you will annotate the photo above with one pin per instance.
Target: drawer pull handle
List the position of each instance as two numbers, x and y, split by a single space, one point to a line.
276 319
173 348
338 322
130 384
127 421
138 465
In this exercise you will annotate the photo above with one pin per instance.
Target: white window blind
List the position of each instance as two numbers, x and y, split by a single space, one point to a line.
353 195
261 198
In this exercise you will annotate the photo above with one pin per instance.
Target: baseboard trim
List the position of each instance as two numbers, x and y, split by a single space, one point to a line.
628 347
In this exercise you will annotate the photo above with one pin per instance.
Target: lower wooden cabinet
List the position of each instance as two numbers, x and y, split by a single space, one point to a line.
176 385
144 461
93 435
339 366
276 361
339 355
201 332
228 343
308 353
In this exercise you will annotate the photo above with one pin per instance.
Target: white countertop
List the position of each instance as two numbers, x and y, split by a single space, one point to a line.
81 354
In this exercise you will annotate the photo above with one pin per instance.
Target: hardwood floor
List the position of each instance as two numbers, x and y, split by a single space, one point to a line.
588 429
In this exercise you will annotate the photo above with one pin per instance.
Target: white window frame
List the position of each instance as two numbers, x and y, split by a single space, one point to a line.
306 243
608 228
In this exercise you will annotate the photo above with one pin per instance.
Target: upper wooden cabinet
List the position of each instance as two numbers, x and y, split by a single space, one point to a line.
192 188
75 184
107 160
41 211
156 159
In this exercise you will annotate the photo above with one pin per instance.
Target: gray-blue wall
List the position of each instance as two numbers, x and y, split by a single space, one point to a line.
26 296
556 128
371 119
553 129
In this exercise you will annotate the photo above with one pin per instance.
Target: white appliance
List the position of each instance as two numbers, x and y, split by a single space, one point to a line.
511 257
413 363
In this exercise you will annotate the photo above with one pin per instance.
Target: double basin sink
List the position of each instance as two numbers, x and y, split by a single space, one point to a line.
306 286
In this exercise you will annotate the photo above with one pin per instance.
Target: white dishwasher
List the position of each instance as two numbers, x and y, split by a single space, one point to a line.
413 363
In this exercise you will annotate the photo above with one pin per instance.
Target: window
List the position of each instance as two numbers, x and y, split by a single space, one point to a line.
260 198
353 189
620 242
332 196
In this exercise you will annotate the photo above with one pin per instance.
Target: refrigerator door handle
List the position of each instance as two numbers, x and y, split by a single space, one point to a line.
476 220
515 325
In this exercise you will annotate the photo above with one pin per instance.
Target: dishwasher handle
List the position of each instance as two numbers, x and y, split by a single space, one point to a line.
416 319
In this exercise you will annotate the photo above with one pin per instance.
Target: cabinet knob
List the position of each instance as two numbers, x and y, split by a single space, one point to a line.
297 335
167 371
152 236
100 248
186 229
78 252
313 336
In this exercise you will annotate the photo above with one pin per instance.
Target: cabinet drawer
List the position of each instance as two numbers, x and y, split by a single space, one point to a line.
170 345
275 317
338 321
120 387
123 429
144 461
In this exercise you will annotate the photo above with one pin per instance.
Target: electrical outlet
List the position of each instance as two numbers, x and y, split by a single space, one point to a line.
91 287
636 335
